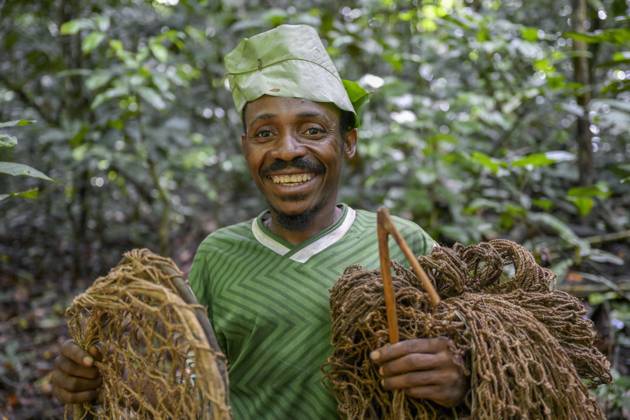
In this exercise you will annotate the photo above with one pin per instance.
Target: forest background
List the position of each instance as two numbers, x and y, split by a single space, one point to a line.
487 119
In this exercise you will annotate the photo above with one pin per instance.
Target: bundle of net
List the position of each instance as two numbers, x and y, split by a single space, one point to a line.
156 360
528 350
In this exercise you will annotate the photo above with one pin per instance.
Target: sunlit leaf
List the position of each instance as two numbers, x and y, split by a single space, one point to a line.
73 26
16 123
159 51
529 34
92 41
535 159
491 164
30 194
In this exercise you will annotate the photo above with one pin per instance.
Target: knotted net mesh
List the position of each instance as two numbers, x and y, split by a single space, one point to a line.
529 350
157 361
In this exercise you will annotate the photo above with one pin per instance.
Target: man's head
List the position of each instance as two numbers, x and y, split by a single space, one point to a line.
299 119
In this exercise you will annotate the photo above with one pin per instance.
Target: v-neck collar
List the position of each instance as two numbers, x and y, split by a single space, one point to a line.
303 251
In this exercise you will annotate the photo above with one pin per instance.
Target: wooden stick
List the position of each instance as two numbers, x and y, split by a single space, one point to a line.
388 289
384 228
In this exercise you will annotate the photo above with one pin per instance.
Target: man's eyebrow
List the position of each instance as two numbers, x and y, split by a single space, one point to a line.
262 117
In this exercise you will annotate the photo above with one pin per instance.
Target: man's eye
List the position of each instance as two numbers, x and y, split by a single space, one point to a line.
314 131
264 133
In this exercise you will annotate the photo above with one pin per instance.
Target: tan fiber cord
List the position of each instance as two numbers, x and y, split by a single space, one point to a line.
160 357
529 350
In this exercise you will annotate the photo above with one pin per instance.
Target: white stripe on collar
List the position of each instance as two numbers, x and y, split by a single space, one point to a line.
326 241
266 240
304 254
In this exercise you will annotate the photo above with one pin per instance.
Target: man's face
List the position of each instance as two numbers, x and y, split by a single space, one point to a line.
294 150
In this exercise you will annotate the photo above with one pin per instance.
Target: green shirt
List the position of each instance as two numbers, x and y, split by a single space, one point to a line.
268 302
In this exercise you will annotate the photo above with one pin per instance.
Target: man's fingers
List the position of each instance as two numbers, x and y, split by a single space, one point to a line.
72 383
96 352
71 368
76 354
74 397
420 345
416 379
427 392
412 362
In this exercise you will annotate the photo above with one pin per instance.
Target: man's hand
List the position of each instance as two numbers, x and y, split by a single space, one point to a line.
75 379
423 368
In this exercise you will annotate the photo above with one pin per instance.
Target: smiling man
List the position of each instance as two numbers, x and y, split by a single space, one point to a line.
266 281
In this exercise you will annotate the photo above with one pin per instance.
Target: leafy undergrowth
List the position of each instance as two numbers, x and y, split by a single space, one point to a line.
32 329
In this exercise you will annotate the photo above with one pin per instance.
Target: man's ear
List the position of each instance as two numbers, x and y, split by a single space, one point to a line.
350 143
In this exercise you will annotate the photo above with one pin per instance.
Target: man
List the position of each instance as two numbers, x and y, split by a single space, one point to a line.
265 281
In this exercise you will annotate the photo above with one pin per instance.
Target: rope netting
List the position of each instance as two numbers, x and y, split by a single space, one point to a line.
159 360
529 349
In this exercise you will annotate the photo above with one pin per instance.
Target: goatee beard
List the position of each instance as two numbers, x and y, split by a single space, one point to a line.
296 222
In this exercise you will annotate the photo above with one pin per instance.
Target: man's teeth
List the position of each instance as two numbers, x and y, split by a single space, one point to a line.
291 179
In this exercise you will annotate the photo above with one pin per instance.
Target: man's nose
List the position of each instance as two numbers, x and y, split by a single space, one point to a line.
288 147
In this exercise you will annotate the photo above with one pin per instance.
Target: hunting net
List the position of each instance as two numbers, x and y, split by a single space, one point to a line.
528 350
159 360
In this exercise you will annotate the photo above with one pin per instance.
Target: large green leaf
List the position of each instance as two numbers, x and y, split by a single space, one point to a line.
19 169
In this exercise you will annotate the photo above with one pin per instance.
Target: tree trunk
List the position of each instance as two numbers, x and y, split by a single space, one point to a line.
581 73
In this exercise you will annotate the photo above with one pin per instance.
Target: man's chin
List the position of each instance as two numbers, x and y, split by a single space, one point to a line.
295 217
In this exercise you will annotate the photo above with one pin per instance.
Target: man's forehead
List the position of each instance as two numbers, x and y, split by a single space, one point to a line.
270 106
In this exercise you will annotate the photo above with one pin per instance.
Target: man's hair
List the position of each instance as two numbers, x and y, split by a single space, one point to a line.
346 121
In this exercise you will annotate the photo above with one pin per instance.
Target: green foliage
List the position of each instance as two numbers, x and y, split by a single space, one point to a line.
18 169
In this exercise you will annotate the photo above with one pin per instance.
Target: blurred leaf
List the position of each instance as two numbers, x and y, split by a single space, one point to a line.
529 34
73 26
536 160
561 228
30 194
92 41
109 94
19 169
159 51
7 140
16 123
583 204
152 97
98 79
487 162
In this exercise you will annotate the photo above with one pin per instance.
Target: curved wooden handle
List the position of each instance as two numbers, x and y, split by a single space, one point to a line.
384 228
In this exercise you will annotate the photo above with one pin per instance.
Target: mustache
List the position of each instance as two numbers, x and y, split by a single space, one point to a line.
298 163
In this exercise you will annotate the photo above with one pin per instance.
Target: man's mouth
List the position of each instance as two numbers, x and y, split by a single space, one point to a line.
292 179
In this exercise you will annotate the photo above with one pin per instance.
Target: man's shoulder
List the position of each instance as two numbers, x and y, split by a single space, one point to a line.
228 234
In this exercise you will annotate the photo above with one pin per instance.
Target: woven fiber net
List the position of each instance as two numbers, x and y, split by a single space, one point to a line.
157 359
527 349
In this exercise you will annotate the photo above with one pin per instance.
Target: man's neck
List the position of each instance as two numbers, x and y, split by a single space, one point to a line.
316 224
